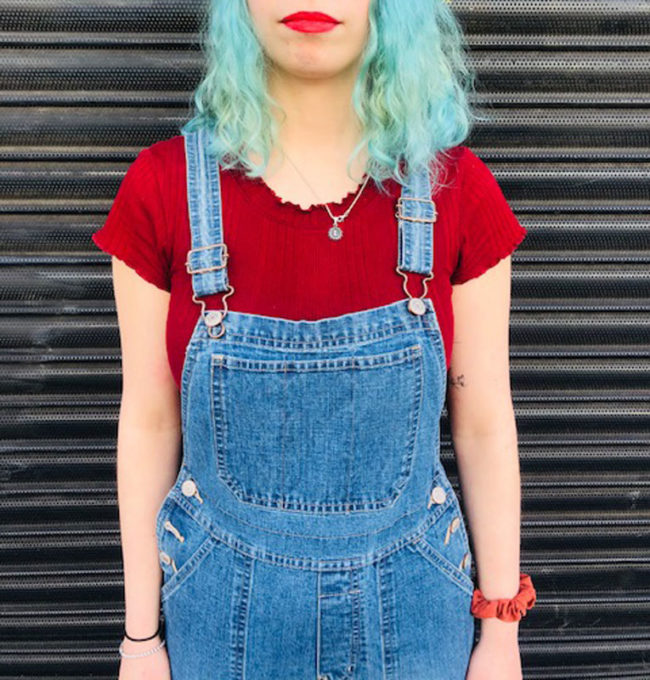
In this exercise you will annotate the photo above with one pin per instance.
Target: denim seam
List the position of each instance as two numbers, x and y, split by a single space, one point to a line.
327 364
240 607
308 563
432 330
438 477
414 426
318 623
188 507
386 597
355 595
283 425
218 425
275 342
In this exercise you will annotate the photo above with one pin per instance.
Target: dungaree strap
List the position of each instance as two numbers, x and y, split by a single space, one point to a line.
207 257
416 213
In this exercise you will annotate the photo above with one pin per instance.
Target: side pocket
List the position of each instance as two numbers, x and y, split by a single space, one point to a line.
183 545
445 546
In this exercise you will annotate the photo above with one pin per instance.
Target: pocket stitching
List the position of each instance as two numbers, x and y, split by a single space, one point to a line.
218 427
358 362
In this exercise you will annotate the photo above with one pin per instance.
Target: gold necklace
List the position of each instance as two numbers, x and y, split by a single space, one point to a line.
334 232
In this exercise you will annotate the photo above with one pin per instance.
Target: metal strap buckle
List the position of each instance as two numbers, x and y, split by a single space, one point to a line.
201 270
399 214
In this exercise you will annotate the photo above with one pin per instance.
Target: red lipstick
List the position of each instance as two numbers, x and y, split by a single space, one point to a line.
310 22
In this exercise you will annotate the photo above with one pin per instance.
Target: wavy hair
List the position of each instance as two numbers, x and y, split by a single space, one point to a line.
411 95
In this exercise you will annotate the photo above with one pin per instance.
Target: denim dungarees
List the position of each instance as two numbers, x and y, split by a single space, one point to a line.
311 532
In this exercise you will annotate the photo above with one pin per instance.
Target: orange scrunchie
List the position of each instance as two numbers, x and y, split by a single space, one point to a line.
506 609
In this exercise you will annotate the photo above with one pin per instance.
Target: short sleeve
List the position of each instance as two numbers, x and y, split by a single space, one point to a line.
488 228
134 230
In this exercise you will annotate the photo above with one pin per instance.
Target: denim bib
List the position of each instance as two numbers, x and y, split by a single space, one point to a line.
311 532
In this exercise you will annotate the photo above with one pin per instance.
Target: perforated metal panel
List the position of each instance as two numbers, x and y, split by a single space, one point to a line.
85 85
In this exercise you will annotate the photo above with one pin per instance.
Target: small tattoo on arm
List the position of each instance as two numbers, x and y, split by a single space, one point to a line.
458 381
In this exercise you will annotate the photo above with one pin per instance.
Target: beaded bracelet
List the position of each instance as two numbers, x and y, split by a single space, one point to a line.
153 650
506 609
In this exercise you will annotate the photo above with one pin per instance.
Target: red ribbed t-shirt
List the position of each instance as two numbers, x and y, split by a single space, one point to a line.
282 263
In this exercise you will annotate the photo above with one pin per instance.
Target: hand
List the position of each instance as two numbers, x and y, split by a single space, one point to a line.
496 655
152 667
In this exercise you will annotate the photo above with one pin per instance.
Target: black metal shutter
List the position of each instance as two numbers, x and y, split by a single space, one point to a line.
85 85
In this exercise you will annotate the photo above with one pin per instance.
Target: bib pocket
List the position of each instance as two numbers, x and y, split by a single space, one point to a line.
325 434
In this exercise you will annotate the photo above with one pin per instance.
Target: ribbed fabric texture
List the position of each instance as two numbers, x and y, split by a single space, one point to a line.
282 262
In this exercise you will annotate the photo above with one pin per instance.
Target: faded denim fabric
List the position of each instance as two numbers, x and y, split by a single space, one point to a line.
312 532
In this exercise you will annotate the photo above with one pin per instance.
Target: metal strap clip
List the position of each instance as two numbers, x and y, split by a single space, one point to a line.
416 305
214 318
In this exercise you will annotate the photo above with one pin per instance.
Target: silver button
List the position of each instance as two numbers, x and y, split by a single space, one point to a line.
213 317
188 487
455 523
416 306
438 495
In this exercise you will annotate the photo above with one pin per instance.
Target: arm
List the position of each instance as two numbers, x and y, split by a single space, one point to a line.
148 445
484 436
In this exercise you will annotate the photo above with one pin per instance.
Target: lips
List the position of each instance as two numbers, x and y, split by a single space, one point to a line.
310 22
311 16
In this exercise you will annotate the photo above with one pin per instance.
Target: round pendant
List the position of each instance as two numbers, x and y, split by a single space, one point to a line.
335 232
213 317
416 306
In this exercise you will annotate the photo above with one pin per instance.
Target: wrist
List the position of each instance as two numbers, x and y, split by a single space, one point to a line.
130 646
141 623
494 628
139 646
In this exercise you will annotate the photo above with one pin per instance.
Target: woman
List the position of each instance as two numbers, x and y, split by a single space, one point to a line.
286 343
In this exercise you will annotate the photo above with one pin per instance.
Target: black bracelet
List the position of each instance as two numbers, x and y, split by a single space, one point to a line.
143 639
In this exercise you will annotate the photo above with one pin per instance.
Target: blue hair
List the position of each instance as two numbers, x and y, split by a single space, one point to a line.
411 94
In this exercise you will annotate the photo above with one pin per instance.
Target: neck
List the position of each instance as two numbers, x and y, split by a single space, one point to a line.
320 121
